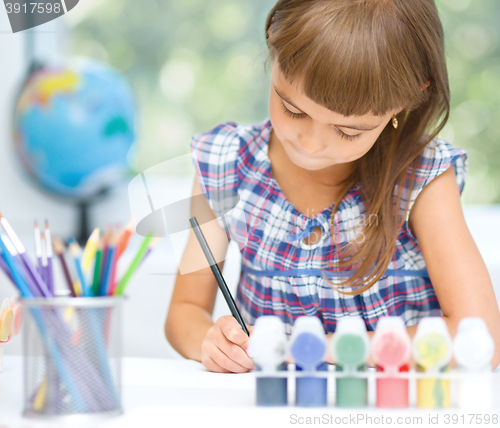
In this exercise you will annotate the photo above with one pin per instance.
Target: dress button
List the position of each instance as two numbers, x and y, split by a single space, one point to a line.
314 237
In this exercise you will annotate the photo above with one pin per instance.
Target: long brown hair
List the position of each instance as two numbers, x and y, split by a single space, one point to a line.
356 57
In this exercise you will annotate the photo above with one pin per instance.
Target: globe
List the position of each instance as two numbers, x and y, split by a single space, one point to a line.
74 127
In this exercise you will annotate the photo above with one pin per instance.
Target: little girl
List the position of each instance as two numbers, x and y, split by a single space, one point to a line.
348 204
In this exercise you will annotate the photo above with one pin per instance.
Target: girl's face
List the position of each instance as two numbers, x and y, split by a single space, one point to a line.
315 137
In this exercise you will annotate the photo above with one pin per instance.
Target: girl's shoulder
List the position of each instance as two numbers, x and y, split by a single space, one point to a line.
219 154
437 156
228 141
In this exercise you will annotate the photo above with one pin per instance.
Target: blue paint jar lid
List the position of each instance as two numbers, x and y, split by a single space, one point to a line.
308 343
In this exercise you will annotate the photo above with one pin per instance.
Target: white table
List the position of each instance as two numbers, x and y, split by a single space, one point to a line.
181 393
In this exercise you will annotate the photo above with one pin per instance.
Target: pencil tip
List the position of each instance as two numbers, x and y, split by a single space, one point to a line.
58 245
74 249
130 225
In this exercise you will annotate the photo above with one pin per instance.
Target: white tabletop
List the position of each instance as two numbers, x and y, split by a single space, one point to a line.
175 393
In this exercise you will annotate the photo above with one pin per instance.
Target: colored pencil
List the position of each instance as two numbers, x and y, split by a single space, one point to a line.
97 270
5 269
11 263
48 243
125 238
38 248
59 249
45 270
109 266
90 250
151 246
21 269
133 266
105 253
121 246
76 252
112 280
24 258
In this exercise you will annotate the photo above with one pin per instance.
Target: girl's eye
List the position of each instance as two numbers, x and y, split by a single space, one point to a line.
292 114
347 136
301 115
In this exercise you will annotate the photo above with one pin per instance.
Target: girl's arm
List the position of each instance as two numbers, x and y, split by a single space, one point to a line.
456 269
189 328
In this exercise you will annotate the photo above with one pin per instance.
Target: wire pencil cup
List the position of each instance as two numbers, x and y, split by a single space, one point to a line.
72 350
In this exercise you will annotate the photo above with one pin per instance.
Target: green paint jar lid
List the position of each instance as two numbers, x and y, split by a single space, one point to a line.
350 345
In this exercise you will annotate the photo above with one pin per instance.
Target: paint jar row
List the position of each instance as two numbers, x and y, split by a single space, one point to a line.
390 348
352 389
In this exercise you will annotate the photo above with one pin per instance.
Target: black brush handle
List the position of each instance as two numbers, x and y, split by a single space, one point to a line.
217 273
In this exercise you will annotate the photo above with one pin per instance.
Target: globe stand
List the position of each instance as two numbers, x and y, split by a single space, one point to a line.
83 228
83 215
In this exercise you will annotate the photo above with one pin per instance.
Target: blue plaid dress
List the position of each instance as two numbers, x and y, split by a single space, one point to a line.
280 274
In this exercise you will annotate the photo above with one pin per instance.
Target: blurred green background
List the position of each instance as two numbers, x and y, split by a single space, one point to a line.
196 63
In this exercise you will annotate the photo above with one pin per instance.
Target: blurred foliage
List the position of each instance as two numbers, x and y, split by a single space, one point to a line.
192 64
472 36
196 63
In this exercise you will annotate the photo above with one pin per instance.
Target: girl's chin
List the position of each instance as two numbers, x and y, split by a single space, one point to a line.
311 164
308 162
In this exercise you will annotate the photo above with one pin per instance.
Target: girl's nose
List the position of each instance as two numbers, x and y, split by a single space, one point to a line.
311 146
312 140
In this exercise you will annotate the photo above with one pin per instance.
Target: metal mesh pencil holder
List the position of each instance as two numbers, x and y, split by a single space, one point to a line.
72 357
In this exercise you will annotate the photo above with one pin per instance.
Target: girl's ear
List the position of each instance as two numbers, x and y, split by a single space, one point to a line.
426 85
270 29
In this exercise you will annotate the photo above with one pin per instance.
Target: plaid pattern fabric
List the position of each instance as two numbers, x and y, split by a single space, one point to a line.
280 274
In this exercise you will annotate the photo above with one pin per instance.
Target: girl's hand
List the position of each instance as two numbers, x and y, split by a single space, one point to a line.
224 347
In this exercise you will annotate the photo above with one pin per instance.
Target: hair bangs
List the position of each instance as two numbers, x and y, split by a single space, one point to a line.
353 58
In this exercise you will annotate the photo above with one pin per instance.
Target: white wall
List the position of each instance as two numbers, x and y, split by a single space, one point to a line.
18 198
